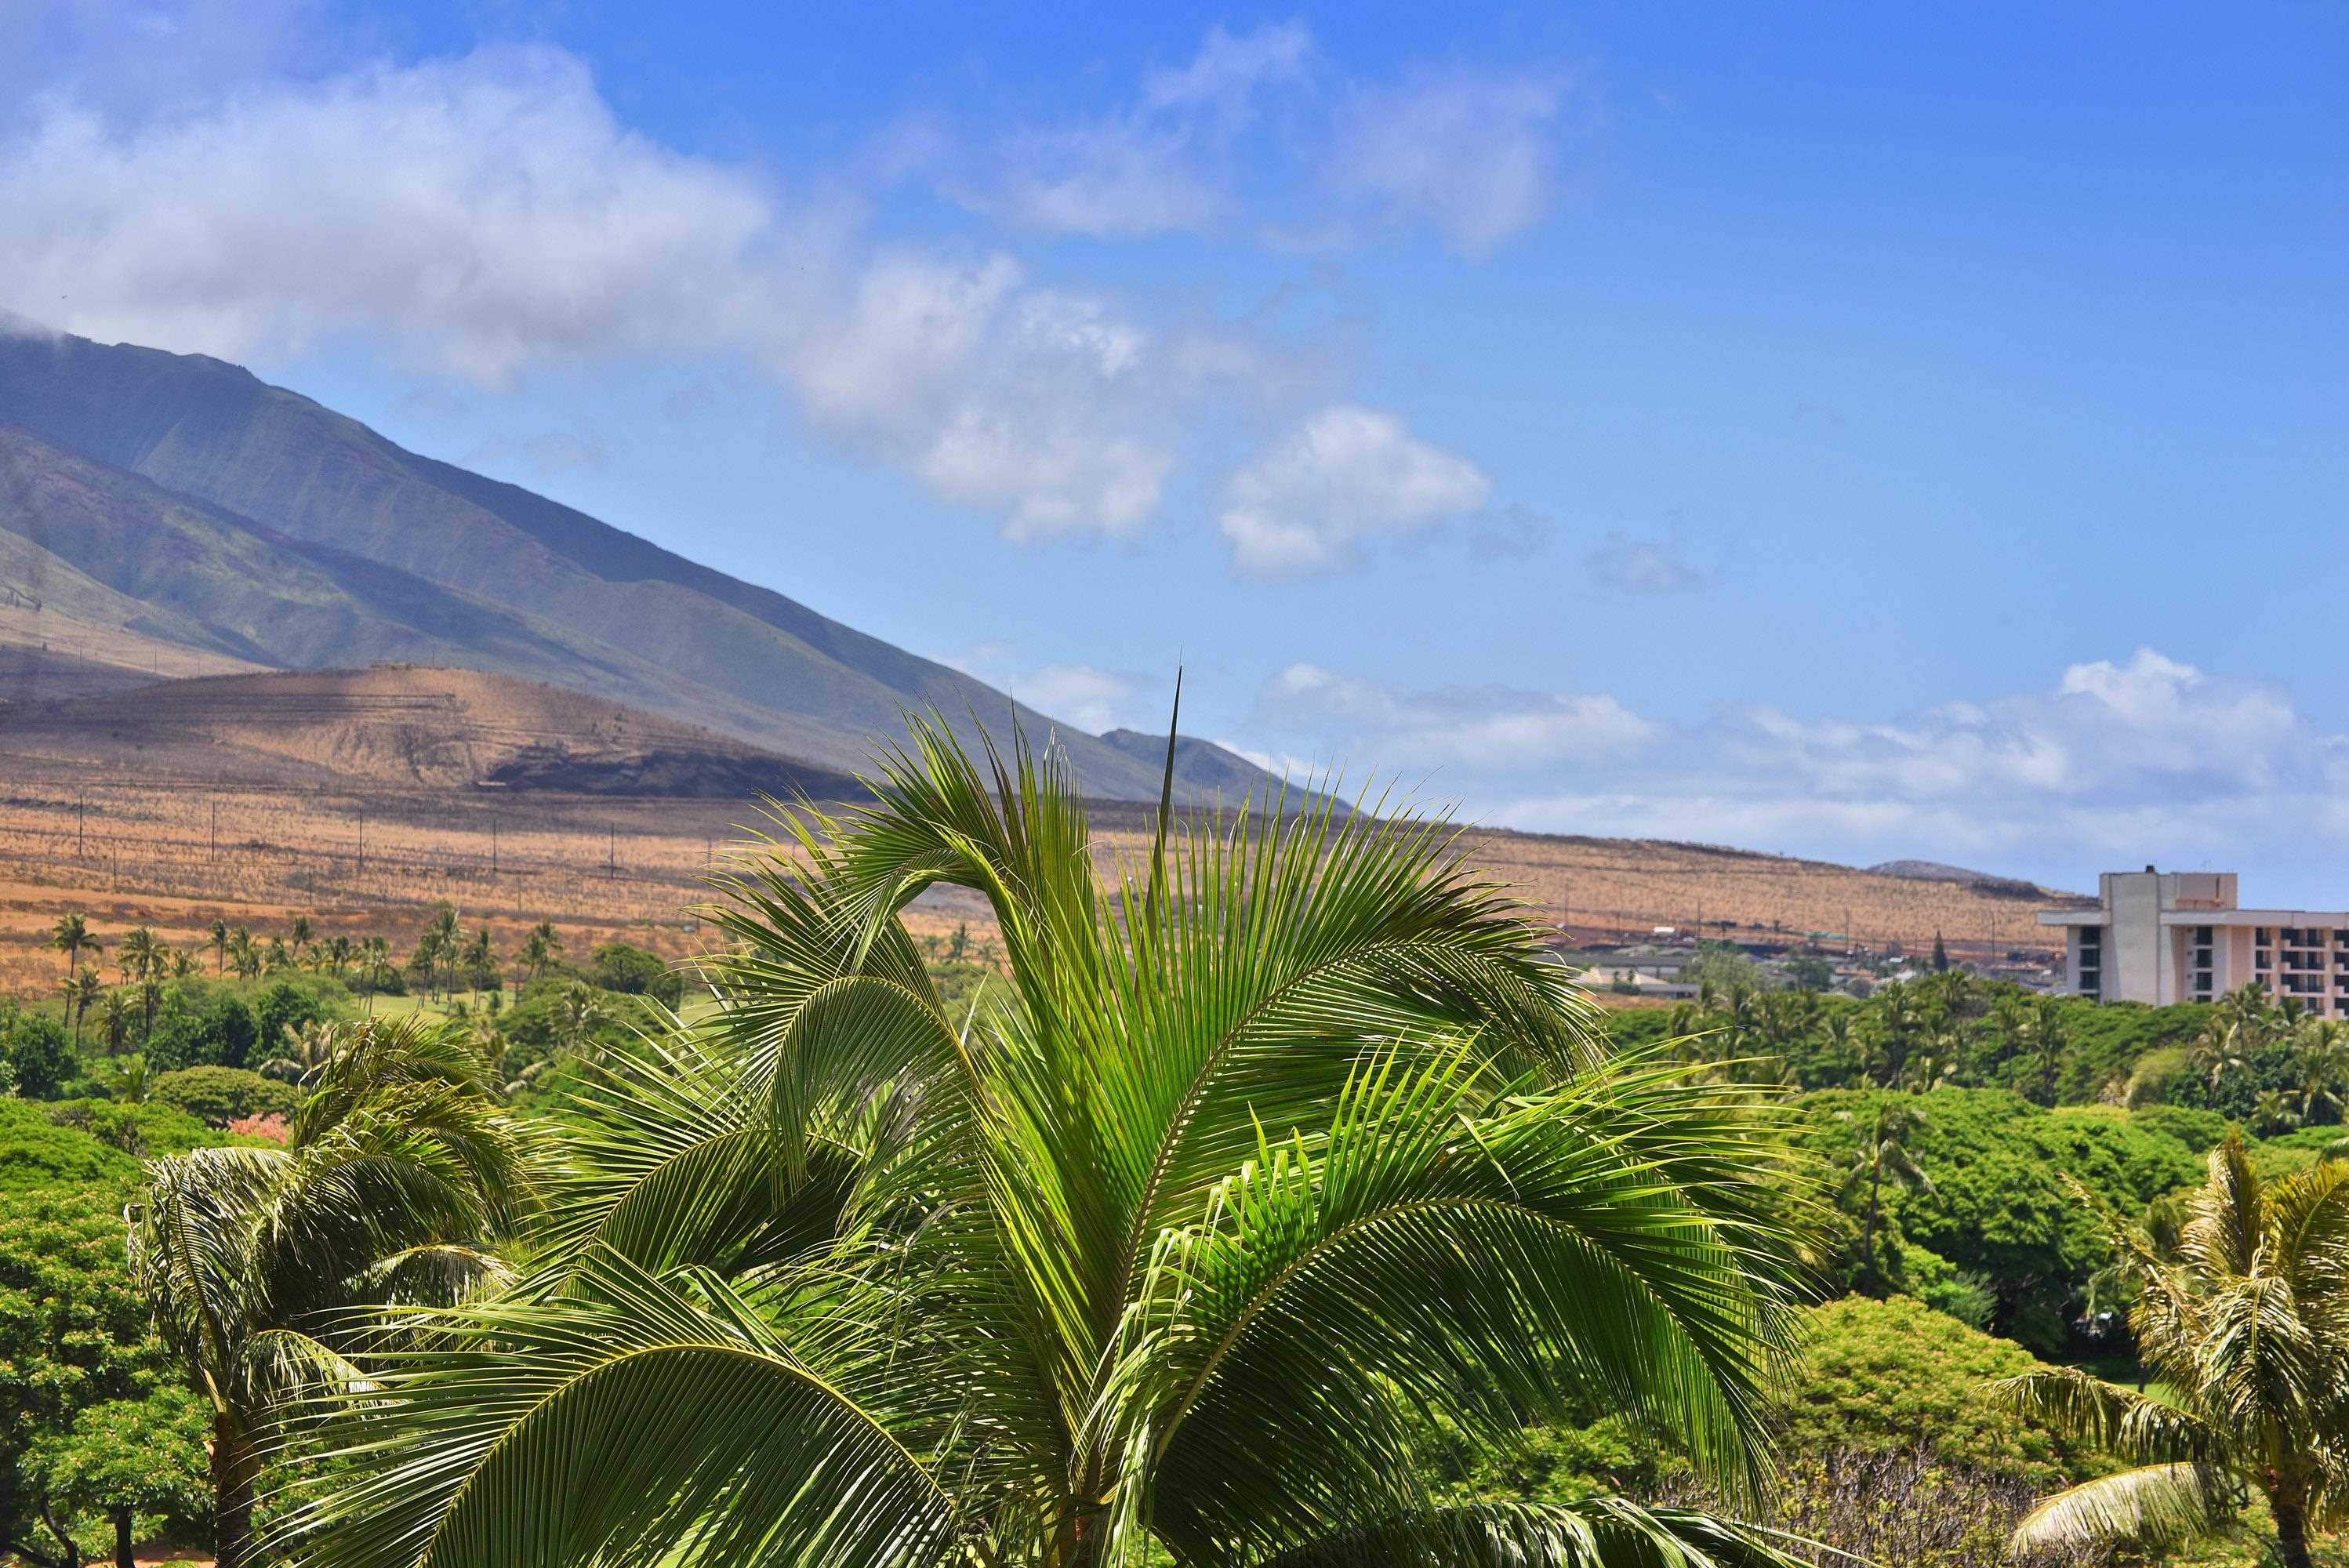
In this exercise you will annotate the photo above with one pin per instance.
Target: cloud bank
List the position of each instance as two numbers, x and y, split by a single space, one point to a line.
2116 762
483 216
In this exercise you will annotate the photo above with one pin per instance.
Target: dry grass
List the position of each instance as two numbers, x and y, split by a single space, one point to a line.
605 869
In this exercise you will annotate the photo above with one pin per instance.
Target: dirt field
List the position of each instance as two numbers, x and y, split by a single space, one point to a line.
601 867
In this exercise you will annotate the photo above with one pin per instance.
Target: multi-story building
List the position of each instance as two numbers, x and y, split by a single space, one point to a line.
2177 936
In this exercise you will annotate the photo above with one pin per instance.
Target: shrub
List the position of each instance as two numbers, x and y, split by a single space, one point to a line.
221 1094
1998 1209
36 1153
269 1129
285 1004
36 1055
2199 1130
136 1129
633 971
220 1033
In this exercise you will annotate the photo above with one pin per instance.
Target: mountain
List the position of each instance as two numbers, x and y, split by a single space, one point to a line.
175 501
1208 770
397 726
1981 881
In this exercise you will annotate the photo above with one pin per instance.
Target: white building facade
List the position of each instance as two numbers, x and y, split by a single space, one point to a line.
2178 936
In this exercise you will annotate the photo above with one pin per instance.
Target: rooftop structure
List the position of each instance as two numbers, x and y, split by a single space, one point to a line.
2178 936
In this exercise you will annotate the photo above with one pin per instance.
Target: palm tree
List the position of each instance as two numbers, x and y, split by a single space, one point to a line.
2321 1070
299 932
1934 1066
540 948
482 958
582 1014
1883 1156
338 955
70 935
376 964
253 1260
114 1017
69 987
132 1079
305 1050
220 947
183 963
443 944
2249 1326
139 954
1163 1246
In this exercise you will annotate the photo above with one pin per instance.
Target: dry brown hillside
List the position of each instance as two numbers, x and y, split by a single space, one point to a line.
378 793
396 727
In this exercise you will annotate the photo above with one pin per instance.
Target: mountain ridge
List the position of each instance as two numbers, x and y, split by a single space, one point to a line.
466 569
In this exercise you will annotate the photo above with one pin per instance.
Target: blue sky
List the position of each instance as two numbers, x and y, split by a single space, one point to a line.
1860 432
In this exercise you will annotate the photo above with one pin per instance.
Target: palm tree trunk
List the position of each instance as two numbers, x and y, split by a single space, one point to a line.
236 1466
2291 1531
1867 1232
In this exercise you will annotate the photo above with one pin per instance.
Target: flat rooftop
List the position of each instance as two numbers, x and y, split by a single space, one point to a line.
2333 917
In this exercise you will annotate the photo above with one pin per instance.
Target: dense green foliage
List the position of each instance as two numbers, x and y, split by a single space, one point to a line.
37 1153
2240 1056
633 971
95 1428
1997 1207
37 1055
221 1095
1946 1119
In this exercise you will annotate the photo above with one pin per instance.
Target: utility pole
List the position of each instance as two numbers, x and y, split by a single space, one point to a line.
611 853
362 843
493 843
213 853
78 804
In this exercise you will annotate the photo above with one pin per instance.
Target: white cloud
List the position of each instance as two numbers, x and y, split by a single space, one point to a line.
489 214
1226 74
2114 763
1641 566
1348 473
1467 153
1162 165
1092 700
1484 729
1087 696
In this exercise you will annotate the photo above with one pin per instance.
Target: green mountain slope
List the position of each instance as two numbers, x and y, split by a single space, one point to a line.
490 575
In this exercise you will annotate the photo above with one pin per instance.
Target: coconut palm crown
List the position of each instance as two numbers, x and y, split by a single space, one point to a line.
1161 1250
400 1168
2247 1321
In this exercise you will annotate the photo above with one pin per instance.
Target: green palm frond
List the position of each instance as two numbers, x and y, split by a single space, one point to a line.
634 1424
2129 1425
1255 1157
1578 1239
1606 1532
2153 1505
